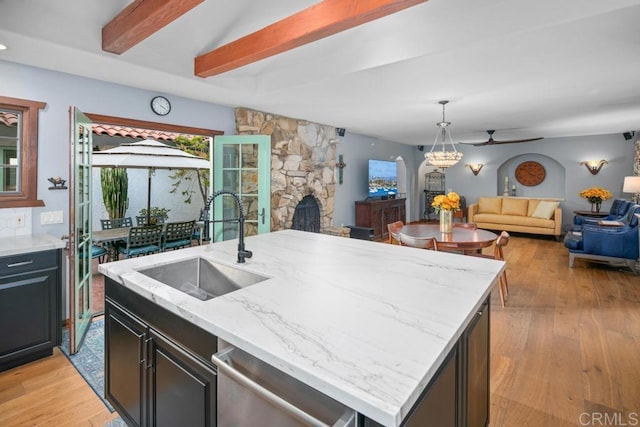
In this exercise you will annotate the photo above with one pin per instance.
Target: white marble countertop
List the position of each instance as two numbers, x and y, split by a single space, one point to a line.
366 323
31 243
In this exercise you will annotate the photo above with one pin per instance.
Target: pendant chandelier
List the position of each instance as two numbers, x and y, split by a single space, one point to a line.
443 158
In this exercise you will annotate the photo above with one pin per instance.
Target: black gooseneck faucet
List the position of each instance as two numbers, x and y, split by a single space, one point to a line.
242 252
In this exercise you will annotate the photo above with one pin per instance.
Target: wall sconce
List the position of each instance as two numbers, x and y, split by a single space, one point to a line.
475 168
340 165
594 166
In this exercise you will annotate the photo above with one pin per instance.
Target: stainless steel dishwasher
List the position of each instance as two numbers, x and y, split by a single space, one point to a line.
253 393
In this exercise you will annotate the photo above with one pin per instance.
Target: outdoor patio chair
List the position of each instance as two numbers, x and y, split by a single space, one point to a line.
143 241
108 224
142 220
178 234
99 252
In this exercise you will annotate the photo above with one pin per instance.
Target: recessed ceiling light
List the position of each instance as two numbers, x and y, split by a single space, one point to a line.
2 47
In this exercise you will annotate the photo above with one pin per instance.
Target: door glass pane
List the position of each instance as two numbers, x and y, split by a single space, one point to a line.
250 181
230 180
249 155
231 156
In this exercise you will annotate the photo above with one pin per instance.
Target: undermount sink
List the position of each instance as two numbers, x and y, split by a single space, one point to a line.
201 278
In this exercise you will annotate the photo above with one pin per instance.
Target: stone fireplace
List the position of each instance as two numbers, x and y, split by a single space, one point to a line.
306 215
303 162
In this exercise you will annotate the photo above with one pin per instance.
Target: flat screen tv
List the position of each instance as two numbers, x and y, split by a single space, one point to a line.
383 178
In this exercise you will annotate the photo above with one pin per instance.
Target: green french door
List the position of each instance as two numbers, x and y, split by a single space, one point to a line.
242 164
80 310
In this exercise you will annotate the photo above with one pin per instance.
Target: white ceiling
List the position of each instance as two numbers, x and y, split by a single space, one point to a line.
547 68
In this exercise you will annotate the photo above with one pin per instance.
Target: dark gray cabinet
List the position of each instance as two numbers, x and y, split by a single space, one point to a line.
125 363
181 388
29 306
438 406
475 370
458 394
157 371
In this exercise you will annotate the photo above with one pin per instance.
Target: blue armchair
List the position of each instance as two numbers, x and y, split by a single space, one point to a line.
617 245
619 209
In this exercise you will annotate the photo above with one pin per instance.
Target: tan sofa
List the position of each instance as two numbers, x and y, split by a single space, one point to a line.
517 214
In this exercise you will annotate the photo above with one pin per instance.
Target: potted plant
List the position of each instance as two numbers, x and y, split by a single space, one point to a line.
156 214
596 196
446 205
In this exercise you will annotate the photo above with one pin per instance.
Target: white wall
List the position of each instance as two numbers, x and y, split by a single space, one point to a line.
357 150
555 154
60 91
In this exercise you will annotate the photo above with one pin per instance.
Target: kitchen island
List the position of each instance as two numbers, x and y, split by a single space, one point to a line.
367 324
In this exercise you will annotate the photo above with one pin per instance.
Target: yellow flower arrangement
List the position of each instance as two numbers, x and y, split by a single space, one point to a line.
449 202
596 194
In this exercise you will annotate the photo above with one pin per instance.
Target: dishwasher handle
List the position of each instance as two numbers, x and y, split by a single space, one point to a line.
266 394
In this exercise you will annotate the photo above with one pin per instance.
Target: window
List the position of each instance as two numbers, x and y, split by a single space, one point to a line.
19 152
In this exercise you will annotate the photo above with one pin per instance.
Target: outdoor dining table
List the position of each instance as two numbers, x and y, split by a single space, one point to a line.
460 239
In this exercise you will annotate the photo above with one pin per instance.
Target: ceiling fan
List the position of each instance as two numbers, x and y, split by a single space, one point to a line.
492 141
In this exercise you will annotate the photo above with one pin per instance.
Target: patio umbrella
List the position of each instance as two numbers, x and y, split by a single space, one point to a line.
148 154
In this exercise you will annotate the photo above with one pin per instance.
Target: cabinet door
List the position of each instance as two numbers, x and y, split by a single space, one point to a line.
125 363
182 390
28 317
477 369
438 405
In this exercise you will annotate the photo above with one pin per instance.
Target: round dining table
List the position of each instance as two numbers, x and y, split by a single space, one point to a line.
461 239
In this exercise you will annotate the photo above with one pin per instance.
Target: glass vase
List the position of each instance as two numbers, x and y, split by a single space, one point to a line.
446 221
595 207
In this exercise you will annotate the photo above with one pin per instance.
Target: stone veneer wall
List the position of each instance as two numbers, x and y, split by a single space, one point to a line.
303 161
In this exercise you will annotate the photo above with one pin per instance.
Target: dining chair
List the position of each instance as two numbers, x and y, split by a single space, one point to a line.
143 241
99 252
178 234
142 220
393 229
418 242
108 224
197 230
498 254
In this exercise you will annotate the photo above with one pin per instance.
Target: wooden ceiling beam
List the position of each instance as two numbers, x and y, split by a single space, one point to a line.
316 22
141 19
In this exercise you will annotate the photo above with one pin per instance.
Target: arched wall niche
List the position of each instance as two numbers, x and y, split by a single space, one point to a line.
552 186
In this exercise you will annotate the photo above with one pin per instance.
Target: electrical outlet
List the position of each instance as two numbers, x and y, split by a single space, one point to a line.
18 220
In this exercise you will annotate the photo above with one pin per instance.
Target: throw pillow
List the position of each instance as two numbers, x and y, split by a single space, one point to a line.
489 205
545 209
514 206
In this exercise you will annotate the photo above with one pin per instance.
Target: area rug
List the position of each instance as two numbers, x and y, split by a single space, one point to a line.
89 360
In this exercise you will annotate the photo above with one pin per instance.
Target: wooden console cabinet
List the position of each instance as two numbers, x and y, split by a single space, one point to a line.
377 213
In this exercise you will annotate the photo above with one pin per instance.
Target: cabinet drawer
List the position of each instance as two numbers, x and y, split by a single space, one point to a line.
28 262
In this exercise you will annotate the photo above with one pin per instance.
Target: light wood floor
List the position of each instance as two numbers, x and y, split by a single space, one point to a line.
49 392
565 351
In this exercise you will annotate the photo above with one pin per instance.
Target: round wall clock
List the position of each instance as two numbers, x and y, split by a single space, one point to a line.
160 105
530 173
